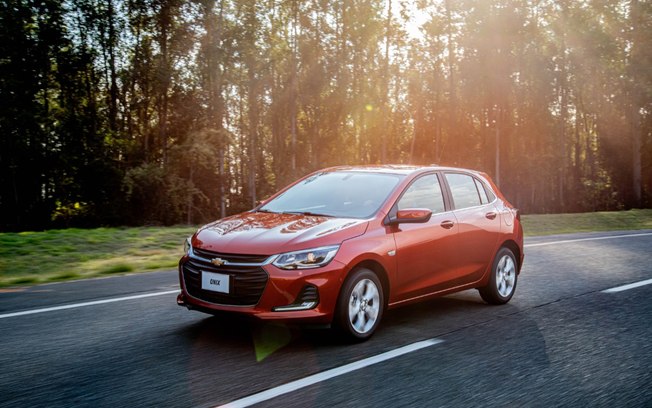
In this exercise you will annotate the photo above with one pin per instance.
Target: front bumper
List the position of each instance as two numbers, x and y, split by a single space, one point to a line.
282 288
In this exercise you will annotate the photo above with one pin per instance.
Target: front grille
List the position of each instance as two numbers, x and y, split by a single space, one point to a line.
247 282
233 258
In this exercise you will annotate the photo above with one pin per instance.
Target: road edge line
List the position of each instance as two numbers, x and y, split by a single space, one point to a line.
84 304
566 241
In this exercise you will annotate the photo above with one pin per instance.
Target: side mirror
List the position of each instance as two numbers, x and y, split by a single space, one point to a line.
411 216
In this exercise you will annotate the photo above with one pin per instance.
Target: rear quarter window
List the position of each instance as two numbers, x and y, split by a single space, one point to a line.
483 192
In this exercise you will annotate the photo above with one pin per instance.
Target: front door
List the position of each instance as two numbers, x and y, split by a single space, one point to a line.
424 251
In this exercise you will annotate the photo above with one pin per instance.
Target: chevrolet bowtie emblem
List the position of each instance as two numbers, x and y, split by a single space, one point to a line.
218 261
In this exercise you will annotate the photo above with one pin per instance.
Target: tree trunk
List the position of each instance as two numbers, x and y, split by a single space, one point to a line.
453 126
293 91
636 123
385 94
113 88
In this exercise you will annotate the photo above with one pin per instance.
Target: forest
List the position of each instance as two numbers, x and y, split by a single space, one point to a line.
160 112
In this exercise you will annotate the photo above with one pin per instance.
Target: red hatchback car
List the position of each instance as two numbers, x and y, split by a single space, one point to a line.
343 244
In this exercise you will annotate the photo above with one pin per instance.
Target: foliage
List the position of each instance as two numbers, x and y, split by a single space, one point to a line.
140 112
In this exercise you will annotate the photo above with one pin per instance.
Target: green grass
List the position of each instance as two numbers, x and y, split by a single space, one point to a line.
548 224
28 258
118 268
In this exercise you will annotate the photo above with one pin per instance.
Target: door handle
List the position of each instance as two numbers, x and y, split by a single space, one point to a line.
447 224
490 215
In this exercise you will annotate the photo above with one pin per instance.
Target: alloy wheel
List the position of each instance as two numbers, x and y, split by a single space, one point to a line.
364 306
505 276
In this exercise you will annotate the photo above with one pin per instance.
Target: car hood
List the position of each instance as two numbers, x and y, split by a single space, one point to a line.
272 233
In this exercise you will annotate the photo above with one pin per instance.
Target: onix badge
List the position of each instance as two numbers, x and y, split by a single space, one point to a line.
218 261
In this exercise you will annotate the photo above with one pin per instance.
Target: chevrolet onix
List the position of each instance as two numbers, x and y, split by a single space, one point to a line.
342 245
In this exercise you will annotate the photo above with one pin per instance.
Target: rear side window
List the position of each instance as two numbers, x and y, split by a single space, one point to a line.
490 193
481 190
464 190
425 192
485 192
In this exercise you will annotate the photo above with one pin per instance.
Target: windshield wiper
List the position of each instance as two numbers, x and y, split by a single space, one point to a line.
306 213
266 211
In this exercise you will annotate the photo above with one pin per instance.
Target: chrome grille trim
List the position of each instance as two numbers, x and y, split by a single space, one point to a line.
196 254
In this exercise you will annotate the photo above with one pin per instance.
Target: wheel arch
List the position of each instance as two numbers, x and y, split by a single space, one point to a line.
380 271
516 250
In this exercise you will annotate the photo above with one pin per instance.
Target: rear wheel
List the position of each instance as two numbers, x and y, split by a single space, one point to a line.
502 282
360 305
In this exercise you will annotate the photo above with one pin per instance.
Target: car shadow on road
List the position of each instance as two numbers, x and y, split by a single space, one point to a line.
220 328
439 315
445 312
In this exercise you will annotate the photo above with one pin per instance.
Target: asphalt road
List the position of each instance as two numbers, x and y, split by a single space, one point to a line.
559 342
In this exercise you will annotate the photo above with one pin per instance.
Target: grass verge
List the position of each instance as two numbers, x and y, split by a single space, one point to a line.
548 224
28 258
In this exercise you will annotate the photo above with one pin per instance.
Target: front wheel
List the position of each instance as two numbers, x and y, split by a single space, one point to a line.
360 305
502 282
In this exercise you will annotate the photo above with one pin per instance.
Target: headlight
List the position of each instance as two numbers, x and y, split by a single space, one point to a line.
307 259
187 246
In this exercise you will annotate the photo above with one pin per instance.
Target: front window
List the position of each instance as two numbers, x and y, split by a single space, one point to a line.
425 192
345 194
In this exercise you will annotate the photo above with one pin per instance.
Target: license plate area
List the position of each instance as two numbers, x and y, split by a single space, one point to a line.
215 282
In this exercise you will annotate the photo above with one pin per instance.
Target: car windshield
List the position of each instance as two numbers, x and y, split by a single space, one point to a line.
336 194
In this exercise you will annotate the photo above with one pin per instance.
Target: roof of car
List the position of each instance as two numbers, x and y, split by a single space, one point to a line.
404 169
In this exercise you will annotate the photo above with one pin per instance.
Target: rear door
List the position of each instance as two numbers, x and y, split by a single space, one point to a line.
423 251
479 225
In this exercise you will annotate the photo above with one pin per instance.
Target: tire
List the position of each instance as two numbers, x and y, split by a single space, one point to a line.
502 282
360 305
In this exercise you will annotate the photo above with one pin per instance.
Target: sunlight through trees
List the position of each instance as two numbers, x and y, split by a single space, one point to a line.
168 111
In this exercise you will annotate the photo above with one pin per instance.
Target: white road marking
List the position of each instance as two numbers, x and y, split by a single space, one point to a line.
566 241
627 287
76 305
611 290
328 374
